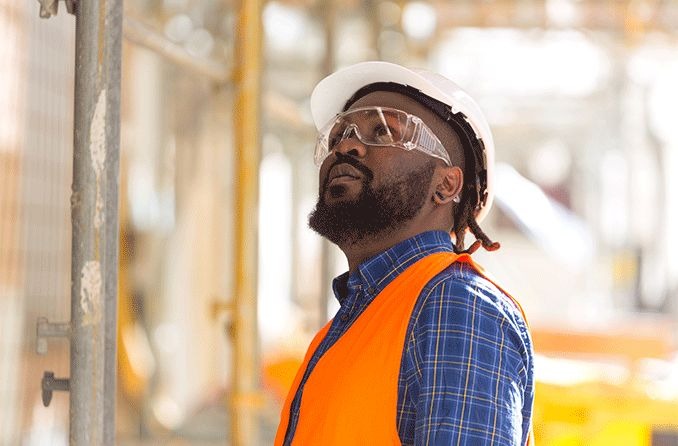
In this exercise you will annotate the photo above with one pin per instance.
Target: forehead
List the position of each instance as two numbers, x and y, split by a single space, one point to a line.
402 102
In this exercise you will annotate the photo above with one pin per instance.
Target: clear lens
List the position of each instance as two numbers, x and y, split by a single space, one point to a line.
379 126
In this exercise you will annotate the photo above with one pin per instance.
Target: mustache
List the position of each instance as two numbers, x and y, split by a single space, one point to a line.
346 159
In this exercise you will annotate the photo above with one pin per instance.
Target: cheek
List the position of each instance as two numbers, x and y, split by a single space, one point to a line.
392 161
385 158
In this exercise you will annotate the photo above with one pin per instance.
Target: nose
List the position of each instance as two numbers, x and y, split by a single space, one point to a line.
350 144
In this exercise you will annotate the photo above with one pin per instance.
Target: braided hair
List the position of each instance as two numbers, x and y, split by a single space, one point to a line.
474 191
464 218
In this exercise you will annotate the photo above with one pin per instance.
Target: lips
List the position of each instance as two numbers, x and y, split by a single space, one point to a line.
343 172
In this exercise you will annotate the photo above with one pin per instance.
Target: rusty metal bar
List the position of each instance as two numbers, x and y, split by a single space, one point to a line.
247 83
94 216
143 35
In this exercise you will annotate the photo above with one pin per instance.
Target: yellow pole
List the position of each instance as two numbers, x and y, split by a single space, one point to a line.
247 85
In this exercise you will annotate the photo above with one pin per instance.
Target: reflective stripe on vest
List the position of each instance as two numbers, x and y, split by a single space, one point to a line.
359 373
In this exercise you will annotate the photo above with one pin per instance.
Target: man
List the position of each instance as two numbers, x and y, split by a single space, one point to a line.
425 348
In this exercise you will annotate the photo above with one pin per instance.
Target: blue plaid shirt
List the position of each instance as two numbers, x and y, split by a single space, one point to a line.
466 375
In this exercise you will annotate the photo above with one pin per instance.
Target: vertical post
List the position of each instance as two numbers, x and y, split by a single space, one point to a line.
247 83
94 215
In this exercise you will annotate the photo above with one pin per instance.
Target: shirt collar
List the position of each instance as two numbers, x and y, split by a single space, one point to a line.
376 272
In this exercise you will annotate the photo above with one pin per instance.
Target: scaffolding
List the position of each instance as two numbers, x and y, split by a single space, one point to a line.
94 208
94 217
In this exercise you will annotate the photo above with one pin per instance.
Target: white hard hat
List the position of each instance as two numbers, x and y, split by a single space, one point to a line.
330 95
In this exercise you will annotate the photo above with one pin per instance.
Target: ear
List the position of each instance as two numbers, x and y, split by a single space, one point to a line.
449 184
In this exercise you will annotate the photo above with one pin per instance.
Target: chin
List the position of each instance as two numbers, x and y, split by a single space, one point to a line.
340 192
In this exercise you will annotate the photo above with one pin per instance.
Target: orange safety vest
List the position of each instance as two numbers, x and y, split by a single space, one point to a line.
359 373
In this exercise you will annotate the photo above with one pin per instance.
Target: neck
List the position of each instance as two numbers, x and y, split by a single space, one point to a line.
361 249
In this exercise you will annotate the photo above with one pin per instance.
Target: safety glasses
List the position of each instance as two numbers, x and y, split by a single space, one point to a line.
379 126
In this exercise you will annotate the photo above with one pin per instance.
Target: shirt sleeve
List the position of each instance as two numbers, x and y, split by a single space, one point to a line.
469 364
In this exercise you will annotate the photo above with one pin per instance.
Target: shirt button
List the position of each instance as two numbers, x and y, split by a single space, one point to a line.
344 317
370 290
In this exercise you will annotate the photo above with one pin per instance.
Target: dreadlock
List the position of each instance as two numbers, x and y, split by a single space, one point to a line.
464 218
474 190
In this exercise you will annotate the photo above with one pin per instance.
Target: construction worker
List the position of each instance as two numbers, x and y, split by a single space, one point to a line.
425 349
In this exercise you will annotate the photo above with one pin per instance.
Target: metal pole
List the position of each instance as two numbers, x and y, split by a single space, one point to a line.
247 79
94 214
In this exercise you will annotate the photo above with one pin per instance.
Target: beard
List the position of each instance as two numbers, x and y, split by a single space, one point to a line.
376 210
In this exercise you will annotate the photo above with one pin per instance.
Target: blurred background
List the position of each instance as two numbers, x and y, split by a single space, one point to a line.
582 97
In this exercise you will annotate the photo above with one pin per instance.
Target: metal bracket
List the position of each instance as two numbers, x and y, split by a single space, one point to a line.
49 8
50 384
45 330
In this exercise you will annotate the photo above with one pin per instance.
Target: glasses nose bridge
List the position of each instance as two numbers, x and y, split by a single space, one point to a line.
351 141
352 128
